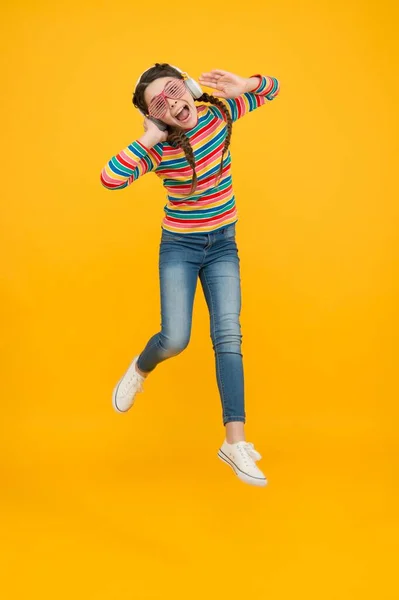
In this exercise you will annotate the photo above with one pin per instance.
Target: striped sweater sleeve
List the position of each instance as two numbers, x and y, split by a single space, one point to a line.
267 90
130 164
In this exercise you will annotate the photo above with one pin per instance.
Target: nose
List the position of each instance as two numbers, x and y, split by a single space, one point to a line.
171 102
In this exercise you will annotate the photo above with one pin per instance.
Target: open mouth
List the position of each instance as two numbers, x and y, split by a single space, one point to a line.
184 114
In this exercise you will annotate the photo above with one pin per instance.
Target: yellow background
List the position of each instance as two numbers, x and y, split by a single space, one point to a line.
96 505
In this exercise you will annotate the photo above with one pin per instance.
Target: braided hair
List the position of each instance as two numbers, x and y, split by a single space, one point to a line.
176 136
222 107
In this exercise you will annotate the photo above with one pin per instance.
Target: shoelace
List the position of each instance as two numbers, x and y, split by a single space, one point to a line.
132 379
247 449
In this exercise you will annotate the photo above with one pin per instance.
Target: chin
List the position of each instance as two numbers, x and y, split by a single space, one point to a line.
193 120
190 124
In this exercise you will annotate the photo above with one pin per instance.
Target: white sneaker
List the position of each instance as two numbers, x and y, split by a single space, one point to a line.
241 457
126 389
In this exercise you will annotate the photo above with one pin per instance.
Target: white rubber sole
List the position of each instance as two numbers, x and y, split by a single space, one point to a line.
115 391
260 482
114 394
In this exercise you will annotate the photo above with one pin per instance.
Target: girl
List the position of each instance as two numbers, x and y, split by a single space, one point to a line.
187 146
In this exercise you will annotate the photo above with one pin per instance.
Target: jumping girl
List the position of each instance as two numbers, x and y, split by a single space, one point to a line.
186 144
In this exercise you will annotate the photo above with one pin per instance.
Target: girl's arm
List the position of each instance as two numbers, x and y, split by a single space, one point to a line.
242 95
140 157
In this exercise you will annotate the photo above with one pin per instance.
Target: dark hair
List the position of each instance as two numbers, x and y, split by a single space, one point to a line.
176 135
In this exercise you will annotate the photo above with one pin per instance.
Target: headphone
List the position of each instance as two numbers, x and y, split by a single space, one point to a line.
193 87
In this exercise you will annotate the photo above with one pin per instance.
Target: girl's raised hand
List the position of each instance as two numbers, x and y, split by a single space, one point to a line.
227 85
153 131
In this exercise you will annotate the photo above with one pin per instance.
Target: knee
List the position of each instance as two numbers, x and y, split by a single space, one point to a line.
228 345
174 345
227 336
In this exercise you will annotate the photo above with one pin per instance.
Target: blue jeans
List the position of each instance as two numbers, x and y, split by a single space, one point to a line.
214 259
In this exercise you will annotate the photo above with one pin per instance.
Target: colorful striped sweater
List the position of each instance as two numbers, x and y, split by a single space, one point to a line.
212 205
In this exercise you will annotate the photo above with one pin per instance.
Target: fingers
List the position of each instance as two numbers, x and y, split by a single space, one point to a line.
212 78
214 85
209 77
208 83
215 73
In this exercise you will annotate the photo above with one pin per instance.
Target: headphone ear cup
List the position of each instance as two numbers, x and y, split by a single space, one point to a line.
194 88
160 124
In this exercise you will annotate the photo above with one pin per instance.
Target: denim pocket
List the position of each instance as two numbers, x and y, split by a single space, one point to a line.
230 232
169 237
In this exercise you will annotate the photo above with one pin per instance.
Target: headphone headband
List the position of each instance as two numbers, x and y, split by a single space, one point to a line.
193 87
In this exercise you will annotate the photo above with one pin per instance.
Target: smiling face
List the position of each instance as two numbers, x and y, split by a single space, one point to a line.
180 112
